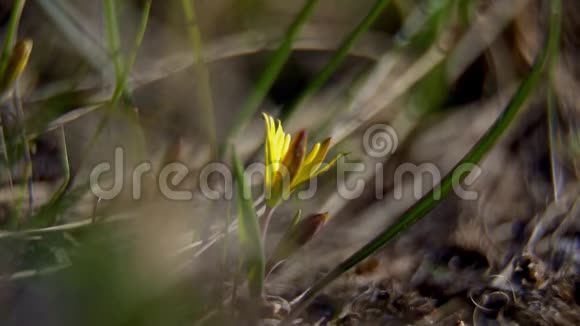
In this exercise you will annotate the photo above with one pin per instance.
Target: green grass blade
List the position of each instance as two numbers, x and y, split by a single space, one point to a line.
27 151
122 69
429 201
48 215
8 51
122 84
267 78
140 35
4 61
113 38
337 59
11 34
6 164
204 90
249 232
66 170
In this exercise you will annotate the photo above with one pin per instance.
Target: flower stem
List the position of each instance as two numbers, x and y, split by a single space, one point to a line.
266 222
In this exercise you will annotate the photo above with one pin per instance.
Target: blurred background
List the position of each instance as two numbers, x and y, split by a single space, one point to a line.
187 81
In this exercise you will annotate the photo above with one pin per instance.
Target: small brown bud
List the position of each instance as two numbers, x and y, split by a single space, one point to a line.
298 236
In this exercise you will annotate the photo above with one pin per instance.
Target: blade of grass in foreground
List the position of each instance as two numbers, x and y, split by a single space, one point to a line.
203 85
267 78
429 201
337 59
249 232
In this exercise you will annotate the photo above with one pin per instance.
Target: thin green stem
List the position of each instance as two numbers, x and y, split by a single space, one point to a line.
5 156
337 59
121 86
26 147
113 38
474 156
7 50
552 119
66 169
265 222
269 75
11 34
204 90
121 71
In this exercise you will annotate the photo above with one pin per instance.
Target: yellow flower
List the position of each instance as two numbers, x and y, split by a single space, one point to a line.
287 166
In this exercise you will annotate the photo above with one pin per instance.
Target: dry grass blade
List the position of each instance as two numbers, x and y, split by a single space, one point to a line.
313 37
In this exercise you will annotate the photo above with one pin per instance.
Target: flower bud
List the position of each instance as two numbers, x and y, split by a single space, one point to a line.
16 64
298 236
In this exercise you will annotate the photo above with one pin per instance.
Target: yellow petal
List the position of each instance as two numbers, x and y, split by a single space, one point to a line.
272 126
322 152
269 128
267 120
268 145
279 142
304 172
312 170
328 166
312 154
287 140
